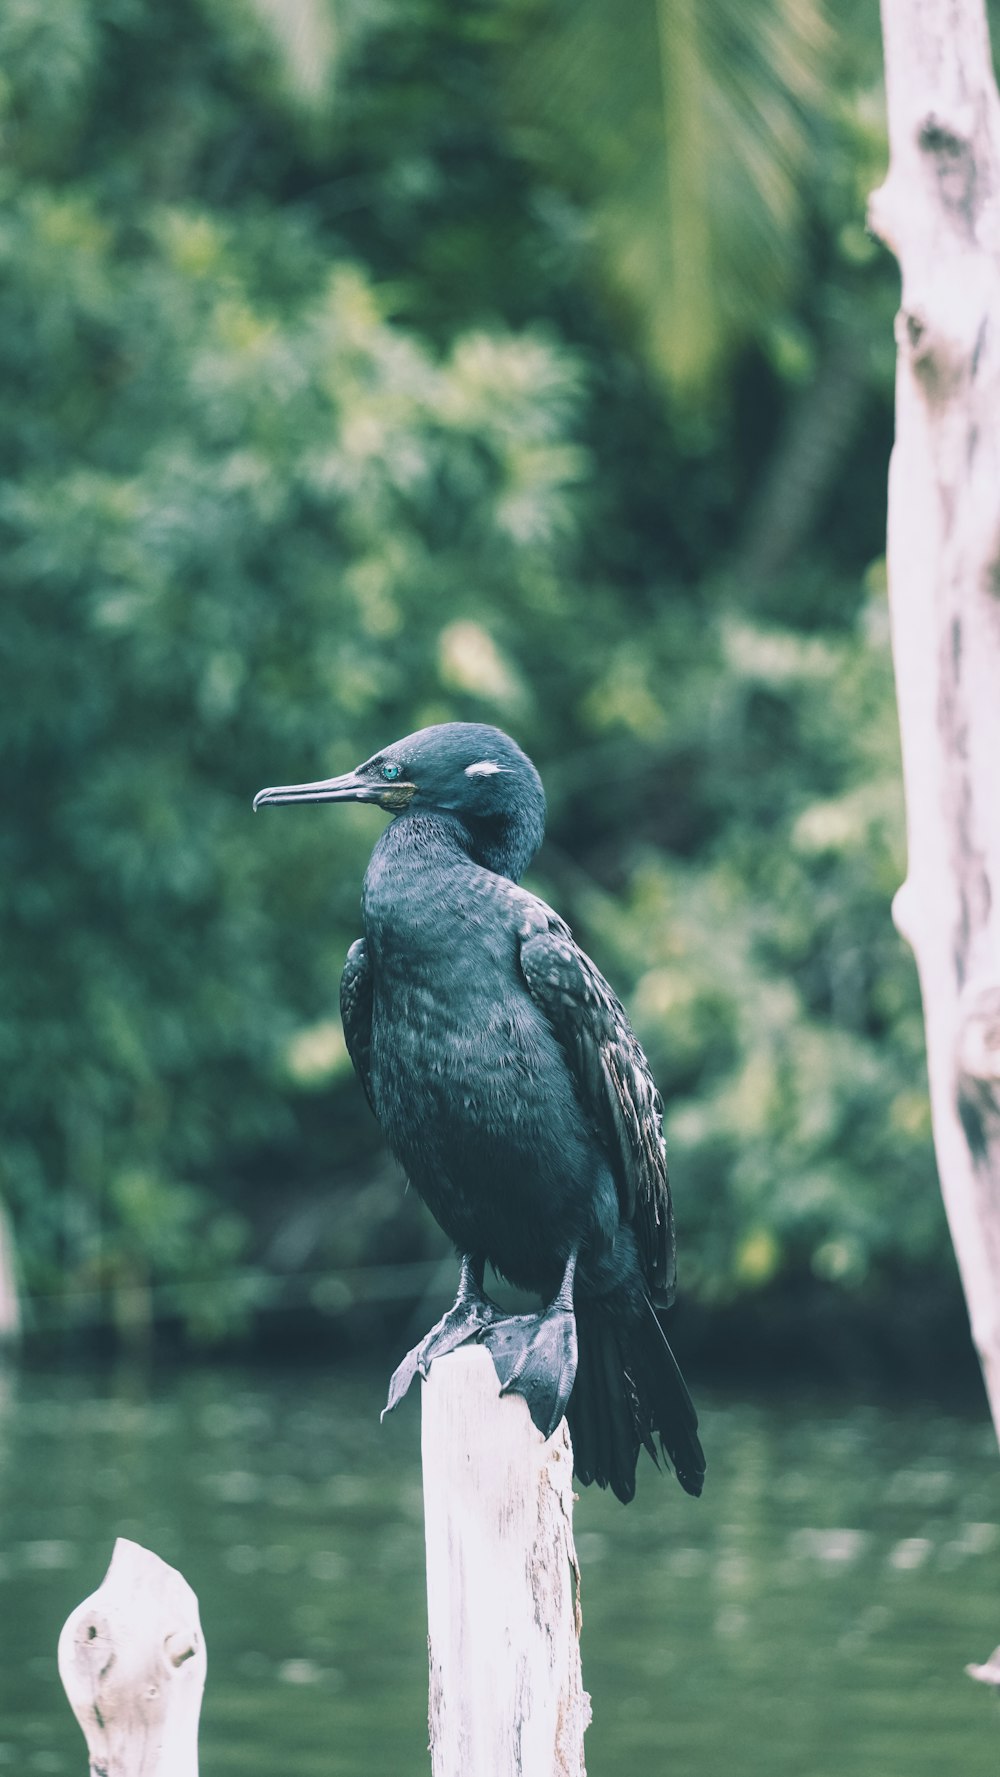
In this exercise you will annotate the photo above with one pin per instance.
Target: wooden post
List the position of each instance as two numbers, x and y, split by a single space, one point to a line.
503 1603
10 1303
939 212
132 1663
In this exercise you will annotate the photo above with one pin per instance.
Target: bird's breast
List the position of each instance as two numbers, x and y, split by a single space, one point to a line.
469 1083
465 1071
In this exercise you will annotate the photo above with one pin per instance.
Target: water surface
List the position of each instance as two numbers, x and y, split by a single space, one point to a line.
809 1617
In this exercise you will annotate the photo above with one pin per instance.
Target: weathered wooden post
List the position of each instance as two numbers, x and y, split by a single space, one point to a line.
939 212
503 1609
132 1663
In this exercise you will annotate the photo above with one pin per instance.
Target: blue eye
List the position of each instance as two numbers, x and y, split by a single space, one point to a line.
390 771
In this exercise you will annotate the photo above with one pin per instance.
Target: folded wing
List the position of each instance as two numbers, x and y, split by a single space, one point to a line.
356 1013
615 1088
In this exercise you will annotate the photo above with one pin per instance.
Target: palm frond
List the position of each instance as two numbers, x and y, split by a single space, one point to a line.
687 132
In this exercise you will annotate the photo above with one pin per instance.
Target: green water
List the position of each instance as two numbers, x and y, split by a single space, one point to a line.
809 1617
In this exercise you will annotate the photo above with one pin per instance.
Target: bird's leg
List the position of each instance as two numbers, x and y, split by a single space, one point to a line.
470 1315
534 1355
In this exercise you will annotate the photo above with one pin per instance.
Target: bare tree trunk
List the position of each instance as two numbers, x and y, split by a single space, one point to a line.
939 211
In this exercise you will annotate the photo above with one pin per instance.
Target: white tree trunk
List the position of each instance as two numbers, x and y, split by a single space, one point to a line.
503 1614
939 211
132 1663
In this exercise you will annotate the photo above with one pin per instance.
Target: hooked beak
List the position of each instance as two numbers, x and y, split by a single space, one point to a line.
352 787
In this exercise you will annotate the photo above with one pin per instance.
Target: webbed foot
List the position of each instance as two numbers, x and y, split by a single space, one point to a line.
534 1355
471 1315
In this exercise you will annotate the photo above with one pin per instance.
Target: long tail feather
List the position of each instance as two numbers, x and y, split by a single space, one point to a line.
629 1391
672 1415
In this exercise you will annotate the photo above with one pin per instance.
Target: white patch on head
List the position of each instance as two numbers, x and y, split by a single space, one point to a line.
483 768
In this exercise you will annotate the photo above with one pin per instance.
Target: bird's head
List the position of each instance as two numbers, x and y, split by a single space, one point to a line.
466 769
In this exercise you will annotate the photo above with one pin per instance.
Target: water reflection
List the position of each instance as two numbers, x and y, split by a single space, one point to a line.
812 1614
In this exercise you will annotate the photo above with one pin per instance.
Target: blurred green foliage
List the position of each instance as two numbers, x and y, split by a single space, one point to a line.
365 367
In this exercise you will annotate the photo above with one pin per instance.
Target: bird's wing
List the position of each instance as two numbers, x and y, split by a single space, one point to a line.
356 1013
612 1078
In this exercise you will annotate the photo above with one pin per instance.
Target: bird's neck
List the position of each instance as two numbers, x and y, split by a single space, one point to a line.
416 842
420 870
501 843
504 843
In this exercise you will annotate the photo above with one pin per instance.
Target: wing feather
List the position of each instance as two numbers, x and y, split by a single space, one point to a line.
356 1013
613 1081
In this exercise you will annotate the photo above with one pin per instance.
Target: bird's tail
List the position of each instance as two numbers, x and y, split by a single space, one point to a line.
629 1392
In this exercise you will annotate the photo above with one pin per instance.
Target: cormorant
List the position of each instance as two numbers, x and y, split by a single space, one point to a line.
510 1086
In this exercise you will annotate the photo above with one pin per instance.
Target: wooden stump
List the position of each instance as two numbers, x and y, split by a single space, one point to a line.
503 1605
132 1663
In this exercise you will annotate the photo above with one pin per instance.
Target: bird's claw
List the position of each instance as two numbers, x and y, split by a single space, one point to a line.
400 1380
469 1318
535 1356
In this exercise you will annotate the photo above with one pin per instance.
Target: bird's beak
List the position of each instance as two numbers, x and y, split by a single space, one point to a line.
352 787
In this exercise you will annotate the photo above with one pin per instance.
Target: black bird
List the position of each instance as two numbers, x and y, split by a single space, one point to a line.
511 1088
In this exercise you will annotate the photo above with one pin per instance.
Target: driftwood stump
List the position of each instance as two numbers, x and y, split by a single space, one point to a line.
132 1663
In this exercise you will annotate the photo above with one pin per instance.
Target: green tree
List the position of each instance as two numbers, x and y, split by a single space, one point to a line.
335 407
